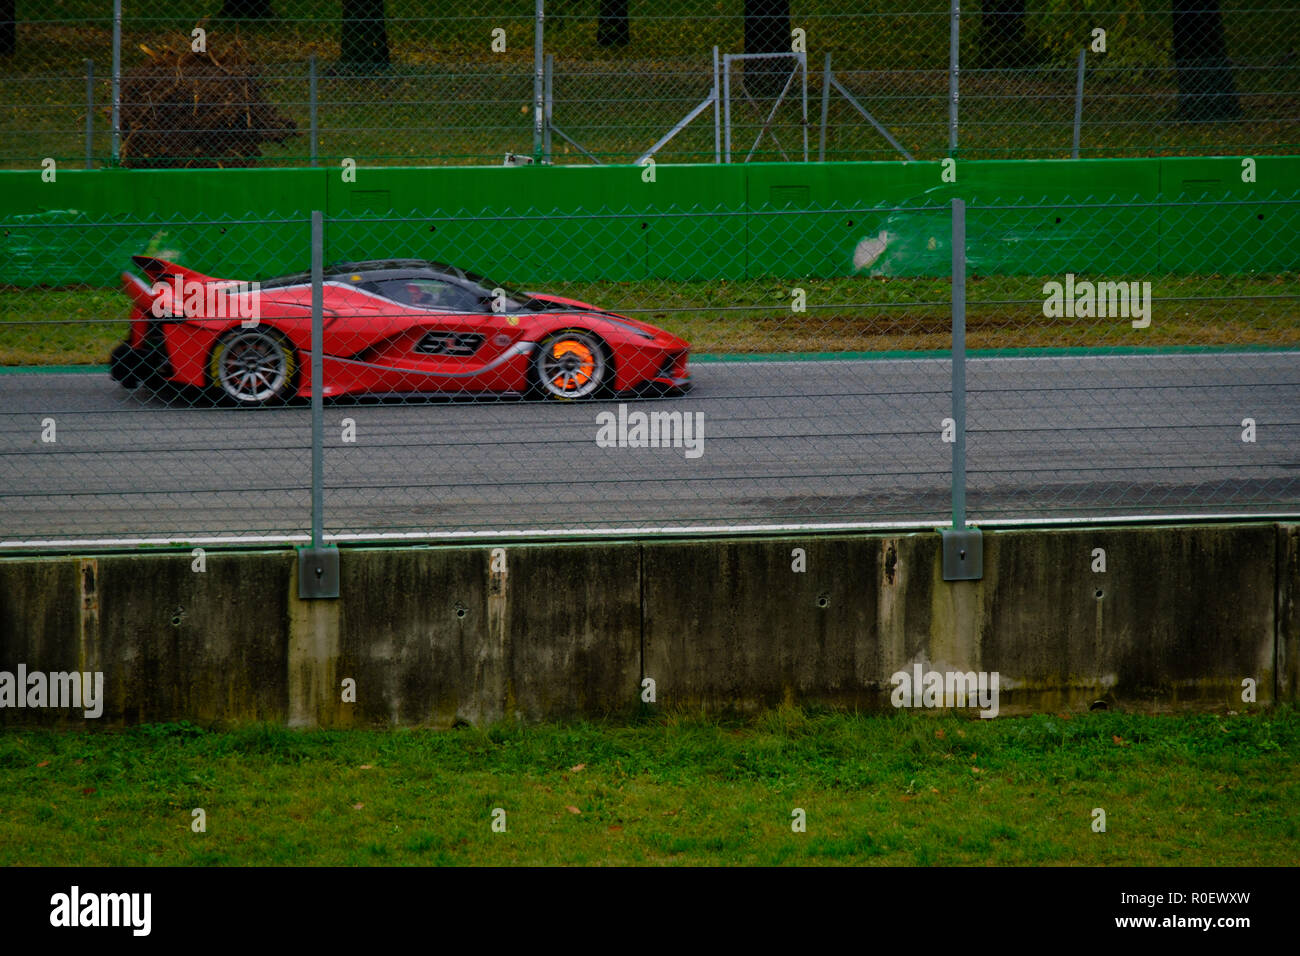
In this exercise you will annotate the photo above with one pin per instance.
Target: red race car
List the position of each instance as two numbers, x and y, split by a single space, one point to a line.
391 326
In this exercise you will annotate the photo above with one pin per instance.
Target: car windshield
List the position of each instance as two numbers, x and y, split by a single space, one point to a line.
425 293
510 300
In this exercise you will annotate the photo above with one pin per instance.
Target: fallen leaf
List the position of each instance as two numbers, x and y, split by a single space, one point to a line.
573 809
615 827
976 770
87 791
366 766
1119 740
669 813
934 789
961 733
939 733
357 806
43 763
908 799
578 768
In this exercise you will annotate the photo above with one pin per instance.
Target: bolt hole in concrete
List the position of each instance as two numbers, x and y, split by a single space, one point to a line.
460 610
177 615
1099 592
823 601
962 554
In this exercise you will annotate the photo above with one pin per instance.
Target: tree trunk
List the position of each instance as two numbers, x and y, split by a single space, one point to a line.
613 28
1001 43
364 41
767 30
8 27
1206 89
247 9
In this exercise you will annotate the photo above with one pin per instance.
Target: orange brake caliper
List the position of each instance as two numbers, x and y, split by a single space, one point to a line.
583 372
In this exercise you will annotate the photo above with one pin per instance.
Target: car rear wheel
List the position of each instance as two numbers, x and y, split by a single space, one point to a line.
253 367
571 364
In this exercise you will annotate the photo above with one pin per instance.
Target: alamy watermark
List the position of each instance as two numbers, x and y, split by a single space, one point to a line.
226 299
922 688
637 429
61 690
75 908
1084 299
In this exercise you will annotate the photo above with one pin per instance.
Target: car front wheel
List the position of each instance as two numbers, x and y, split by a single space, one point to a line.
571 364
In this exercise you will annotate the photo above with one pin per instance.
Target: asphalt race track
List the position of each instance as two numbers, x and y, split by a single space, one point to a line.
788 442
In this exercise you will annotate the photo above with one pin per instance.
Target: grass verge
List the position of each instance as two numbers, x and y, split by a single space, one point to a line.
897 789
73 326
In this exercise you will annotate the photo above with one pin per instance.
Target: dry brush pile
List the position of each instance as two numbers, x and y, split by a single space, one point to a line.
187 109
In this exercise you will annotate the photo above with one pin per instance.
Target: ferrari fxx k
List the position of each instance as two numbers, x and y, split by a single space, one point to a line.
389 326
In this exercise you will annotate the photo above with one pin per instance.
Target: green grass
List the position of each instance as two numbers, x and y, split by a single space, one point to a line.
892 789
69 326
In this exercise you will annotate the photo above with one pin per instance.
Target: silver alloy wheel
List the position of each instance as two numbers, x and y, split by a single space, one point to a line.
571 364
253 366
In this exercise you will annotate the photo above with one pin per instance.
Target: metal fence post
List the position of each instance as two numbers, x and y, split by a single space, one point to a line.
954 41
826 106
550 107
963 552
311 104
90 114
1078 103
318 565
717 112
117 80
726 108
539 68
803 61
959 363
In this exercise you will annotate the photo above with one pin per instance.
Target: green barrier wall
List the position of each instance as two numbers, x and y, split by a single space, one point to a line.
693 222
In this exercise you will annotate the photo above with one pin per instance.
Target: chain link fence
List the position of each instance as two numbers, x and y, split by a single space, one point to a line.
296 82
619 370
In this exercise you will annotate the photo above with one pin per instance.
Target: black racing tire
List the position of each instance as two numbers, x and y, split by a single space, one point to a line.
124 366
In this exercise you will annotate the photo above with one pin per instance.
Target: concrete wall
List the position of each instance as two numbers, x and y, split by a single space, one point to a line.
434 635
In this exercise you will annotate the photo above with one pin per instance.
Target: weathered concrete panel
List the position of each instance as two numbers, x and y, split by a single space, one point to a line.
1179 617
40 626
436 636
413 634
1288 613
178 644
730 625
573 629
